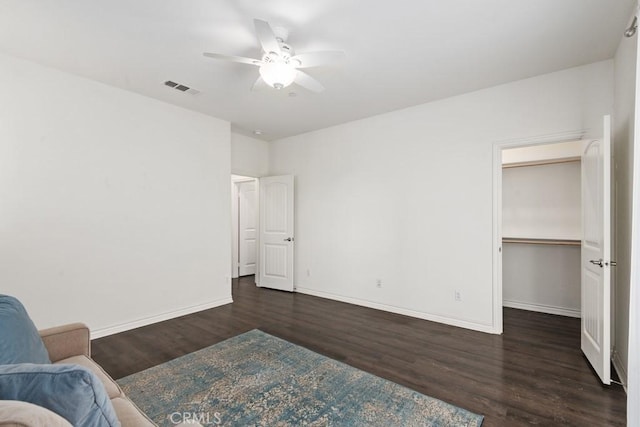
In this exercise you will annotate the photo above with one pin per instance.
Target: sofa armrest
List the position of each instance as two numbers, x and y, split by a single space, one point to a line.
24 414
67 341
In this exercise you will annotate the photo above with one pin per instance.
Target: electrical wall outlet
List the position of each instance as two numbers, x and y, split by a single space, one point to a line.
457 295
379 283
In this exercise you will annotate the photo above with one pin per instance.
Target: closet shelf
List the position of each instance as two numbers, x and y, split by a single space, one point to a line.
557 242
541 162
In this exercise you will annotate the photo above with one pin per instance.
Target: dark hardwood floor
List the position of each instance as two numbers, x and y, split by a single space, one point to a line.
533 374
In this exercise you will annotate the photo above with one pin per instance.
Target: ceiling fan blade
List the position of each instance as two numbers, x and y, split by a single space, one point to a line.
266 37
306 81
316 59
259 84
232 58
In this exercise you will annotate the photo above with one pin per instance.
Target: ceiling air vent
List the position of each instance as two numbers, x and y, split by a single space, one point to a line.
181 87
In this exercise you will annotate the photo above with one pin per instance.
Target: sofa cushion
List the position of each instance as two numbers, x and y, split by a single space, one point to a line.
22 414
20 341
70 391
112 388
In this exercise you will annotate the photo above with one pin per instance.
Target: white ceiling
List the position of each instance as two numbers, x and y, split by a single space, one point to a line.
399 53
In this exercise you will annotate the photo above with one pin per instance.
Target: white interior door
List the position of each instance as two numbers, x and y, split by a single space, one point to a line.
276 232
596 253
247 227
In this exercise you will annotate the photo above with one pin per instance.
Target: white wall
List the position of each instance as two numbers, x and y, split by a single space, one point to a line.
623 128
249 156
543 278
633 356
114 207
406 197
542 201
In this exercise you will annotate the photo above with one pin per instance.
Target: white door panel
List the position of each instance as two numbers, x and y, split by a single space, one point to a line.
276 232
596 253
248 223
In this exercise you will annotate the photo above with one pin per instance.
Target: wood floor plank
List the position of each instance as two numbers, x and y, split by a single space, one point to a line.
534 373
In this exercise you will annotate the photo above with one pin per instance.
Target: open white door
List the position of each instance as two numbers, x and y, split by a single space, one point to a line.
247 227
276 232
596 253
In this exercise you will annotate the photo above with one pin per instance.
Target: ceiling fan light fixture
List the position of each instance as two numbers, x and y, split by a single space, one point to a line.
278 74
280 66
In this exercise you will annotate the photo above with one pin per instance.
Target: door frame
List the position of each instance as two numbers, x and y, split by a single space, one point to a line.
498 146
235 247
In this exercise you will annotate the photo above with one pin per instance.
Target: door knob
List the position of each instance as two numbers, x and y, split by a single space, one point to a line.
289 239
598 262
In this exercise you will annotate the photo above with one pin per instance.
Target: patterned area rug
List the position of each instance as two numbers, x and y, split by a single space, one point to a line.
256 379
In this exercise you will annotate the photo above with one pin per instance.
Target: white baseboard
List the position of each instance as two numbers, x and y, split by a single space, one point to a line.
103 332
541 308
619 367
398 310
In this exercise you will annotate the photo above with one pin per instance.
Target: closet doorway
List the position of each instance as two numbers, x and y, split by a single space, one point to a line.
542 228
244 215
537 225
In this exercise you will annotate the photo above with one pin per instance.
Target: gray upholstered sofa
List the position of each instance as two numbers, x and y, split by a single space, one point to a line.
70 344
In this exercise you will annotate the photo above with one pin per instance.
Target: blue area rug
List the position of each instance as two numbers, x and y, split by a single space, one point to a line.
256 379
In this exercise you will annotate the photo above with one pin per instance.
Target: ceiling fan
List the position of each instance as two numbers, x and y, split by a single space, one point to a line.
280 66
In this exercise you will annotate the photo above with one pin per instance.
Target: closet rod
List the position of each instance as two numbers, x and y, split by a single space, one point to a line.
557 242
